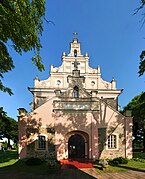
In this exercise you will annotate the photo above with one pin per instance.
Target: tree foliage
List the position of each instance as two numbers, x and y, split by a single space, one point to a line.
137 105
142 55
8 127
142 63
21 27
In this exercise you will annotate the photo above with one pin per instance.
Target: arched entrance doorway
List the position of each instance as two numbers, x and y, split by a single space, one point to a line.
76 146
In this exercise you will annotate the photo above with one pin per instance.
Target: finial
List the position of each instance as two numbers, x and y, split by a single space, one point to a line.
64 54
98 68
86 54
75 40
75 33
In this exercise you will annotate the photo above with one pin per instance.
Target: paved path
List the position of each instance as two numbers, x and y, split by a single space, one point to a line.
131 174
87 173
138 174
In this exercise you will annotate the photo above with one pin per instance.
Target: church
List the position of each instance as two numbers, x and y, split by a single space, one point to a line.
74 114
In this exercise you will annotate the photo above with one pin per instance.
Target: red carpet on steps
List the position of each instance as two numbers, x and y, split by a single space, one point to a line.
72 164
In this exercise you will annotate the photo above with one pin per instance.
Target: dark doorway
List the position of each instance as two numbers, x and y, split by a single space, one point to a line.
76 146
75 53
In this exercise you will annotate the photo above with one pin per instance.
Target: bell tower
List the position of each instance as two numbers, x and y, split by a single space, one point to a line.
75 49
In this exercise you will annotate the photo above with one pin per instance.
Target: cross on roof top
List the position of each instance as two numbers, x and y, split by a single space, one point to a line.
75 34
75 63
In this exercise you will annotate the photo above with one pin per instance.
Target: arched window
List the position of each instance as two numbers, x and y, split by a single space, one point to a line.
41 142
75 53
76 92
112 142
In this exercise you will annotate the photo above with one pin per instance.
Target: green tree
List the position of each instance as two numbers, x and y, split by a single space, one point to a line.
137 105
142 63
142 55
8 127
20 27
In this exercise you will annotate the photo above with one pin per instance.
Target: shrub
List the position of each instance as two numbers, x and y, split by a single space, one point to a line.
33 161
103 163
54 166
139 160
119 160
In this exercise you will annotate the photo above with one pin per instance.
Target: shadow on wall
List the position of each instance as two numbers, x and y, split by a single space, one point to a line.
77 120
28 127
116 122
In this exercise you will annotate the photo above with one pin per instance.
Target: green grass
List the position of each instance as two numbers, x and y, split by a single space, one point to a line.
20 166
6 156
132 165
109 169
9 161
136 164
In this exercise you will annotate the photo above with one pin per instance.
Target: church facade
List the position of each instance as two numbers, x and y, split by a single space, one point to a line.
75 114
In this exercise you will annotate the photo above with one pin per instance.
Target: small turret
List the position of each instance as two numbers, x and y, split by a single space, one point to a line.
75 50
113 84
98 69
36 81
22 111
86 54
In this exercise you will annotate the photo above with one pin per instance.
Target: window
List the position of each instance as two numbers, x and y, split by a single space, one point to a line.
76 92
112 142
75 53
41 142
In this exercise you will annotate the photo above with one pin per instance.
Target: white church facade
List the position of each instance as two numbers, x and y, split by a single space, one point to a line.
75 114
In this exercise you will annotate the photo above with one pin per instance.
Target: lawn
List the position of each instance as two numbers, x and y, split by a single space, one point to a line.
9 161
19 165
8 158
7 155
132 165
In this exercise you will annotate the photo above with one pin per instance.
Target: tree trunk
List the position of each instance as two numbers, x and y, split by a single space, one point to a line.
9 145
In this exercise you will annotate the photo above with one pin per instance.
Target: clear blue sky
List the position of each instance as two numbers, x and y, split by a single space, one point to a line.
107 30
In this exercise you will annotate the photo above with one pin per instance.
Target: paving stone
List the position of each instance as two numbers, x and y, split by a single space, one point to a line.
74 174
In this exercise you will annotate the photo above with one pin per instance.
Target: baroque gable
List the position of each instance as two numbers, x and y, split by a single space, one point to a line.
60 78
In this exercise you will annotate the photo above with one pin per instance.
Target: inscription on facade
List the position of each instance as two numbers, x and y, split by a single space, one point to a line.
61 105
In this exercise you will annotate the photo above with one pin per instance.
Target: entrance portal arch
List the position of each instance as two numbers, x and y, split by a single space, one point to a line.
77 143
76 146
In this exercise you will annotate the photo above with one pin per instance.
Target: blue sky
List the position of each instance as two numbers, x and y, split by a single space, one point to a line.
107 30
